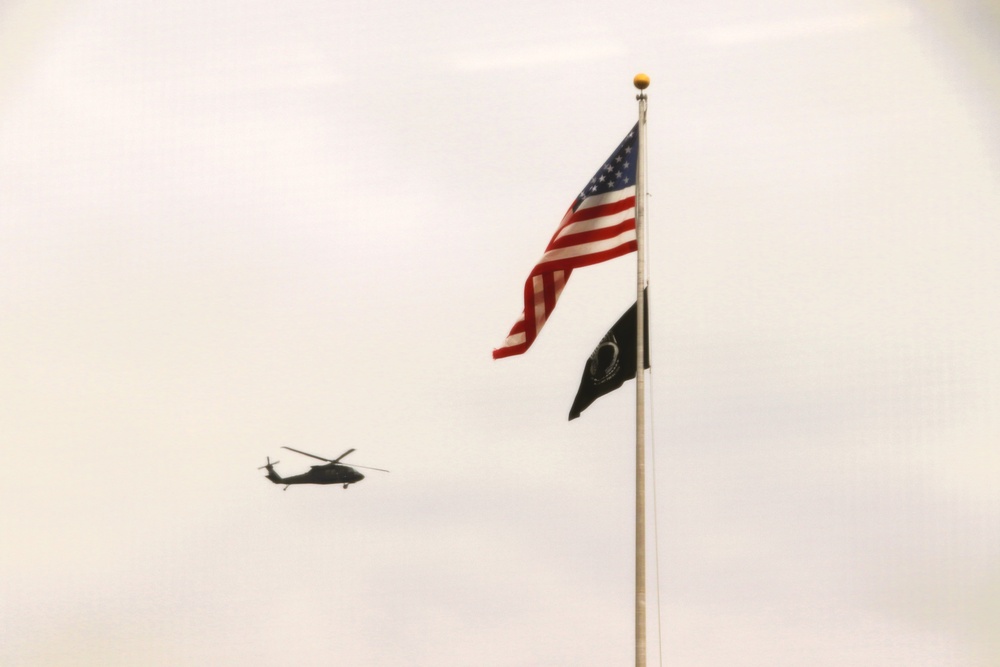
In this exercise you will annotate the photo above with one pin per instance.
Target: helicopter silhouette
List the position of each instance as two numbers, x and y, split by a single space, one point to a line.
333 472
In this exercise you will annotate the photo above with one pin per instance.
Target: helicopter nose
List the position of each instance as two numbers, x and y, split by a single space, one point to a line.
360 477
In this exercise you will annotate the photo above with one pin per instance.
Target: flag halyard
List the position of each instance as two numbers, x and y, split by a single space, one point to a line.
599 225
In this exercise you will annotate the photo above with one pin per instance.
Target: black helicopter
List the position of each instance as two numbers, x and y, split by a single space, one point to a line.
333 472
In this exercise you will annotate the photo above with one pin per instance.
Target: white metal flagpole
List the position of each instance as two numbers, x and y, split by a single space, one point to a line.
641 82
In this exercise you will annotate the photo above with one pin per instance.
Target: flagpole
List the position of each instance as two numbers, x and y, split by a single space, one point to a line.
641 82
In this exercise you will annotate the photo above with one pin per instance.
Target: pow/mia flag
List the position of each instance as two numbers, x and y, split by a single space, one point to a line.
612 362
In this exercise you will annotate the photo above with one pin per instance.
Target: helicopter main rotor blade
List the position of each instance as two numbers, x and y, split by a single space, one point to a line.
336 460
343 455
308 454
355 465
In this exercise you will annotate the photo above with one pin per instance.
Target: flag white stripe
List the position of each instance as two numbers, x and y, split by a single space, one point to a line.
607 198
597 223
514 339
538 282
559 278
583 249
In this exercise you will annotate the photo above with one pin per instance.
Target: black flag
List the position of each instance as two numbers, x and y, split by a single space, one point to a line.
612 362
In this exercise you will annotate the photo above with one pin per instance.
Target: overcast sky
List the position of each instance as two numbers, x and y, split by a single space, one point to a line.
231 226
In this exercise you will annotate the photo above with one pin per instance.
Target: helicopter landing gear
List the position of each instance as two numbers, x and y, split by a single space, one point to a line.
346 485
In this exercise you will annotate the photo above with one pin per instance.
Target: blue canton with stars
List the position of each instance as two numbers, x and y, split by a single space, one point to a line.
617 172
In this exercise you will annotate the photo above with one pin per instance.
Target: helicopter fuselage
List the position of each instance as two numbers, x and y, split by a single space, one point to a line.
324 474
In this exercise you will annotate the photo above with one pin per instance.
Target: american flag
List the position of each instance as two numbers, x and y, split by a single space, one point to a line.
599 225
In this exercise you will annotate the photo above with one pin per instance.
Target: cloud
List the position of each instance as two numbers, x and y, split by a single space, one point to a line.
797 28
512 58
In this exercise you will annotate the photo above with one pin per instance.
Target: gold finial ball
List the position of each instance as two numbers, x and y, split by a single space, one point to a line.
641 81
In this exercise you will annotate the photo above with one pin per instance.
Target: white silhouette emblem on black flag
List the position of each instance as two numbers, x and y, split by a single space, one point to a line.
612 361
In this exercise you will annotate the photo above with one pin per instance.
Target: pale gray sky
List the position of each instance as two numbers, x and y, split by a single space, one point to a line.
230 227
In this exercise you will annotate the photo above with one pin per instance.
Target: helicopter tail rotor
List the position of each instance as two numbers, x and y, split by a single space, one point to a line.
271 473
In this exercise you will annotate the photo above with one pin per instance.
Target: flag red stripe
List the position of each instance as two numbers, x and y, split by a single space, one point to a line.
604 209
592 235
550 294
583 219
510 350
556 257
596 257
